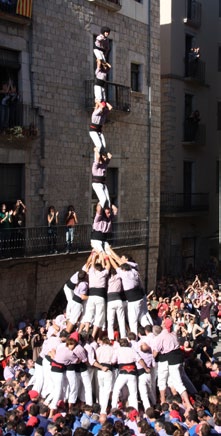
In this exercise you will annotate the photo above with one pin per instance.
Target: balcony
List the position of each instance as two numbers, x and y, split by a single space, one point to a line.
175 203
18 11
111 5
193 14
195 70
117 95
194 133
35 241
18 123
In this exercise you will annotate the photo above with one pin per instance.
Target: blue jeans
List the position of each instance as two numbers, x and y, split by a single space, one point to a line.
69 236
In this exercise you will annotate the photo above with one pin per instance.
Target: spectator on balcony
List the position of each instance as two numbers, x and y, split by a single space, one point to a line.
102 46
18 215
100 80
70 221
98 119
52 219
18 223
5 222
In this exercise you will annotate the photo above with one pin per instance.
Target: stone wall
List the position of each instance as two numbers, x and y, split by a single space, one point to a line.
57 54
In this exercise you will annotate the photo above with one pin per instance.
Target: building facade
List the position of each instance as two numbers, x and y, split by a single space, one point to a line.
190 110
46 56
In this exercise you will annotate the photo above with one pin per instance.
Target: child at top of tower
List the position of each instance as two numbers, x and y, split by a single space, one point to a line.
102 46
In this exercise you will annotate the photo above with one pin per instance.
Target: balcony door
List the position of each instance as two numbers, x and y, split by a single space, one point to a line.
188 183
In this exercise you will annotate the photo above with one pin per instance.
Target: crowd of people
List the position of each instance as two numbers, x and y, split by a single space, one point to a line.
116 361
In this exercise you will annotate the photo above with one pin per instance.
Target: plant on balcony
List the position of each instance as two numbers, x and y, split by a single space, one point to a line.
19 133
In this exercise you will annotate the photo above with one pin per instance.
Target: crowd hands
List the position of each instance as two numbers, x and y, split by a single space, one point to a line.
116 361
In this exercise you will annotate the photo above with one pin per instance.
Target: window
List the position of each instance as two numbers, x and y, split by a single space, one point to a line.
219 115
12 183
219 58
188 109
136 77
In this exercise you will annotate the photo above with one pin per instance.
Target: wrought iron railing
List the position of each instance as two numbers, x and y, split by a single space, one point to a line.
194 132
193 13
16 114
9 7
112 5
117 95
38 241
195 69
172 202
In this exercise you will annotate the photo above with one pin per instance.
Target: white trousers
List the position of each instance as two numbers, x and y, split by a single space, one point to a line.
115 308
38 378
170 375
47 383
99 93
85 387
58 388
99 54
145 389
135 311
100 246
102 194
105 387
131 382
98 140
95 311
72 386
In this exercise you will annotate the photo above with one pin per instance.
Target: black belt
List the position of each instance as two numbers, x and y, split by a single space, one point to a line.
77 299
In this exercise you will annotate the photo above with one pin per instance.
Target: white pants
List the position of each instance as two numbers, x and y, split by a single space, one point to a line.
47 383
105 387
72 386
98 140
38 378
131 382
170 375
115 308
58 388
95 310
100 246
145 389
85 394
102 194
99 93
99 54
135 310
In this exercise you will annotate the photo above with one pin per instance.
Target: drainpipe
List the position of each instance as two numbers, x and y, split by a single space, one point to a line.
148 143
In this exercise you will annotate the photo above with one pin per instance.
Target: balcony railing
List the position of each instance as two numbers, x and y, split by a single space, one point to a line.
171 202
193 13
117 95
194 133
36 241
195 70
17 120
111 5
